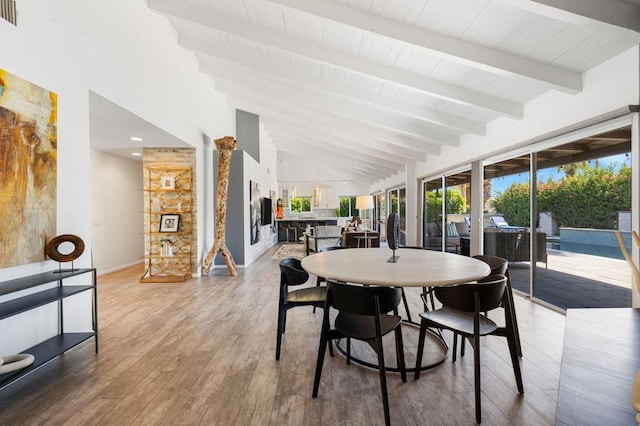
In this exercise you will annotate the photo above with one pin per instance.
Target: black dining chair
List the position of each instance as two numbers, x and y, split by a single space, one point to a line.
461 312
320 280
499 265
292 274
362 315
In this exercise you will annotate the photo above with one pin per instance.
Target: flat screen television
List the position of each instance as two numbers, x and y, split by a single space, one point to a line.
266 211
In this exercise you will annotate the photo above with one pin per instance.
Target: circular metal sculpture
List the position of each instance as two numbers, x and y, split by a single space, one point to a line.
393 229
52 248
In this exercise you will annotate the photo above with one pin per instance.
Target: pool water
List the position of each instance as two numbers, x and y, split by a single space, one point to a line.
595 250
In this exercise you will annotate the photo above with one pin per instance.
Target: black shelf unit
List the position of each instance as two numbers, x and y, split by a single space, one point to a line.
62 342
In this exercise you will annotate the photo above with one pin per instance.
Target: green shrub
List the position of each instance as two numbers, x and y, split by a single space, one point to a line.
590 198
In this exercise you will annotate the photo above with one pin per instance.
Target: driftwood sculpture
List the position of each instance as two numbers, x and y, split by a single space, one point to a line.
225 147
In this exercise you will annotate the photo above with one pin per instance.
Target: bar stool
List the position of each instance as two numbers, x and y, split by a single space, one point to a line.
300 229
288 226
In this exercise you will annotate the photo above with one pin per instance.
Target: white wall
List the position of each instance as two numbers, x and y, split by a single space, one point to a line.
116 205
265 174
123 52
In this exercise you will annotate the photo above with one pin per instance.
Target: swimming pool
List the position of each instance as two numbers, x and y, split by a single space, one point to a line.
592 249
596 242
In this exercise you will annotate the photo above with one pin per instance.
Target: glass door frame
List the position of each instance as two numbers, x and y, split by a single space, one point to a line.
594 129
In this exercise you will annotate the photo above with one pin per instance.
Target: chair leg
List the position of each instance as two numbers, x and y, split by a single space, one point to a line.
515 360
284 320
318 281
280 331
324 338
348 350
383 380
514 321
400 354
423 331
514 318
476 375
455 347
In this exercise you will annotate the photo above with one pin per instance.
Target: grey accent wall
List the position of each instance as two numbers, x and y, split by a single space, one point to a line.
234 235
248 133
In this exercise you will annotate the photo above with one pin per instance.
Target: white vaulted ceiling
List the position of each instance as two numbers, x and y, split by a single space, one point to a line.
364 86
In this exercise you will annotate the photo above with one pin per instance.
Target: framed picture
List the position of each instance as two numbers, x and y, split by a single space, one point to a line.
254 211
168 182
169 222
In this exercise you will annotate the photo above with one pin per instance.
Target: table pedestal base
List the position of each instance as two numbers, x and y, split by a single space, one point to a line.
430 359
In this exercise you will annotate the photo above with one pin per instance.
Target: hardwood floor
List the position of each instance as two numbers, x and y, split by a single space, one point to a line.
203 352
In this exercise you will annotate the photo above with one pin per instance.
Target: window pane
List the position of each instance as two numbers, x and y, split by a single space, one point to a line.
432 231
301 204
584 196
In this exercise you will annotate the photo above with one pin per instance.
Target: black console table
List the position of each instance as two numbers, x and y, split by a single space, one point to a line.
57 345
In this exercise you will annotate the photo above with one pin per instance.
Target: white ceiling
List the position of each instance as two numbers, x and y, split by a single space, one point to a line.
111 129
376 83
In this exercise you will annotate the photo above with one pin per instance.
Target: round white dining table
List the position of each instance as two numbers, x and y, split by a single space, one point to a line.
413 268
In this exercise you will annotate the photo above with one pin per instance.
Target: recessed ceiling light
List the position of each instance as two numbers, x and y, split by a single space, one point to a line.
136 139
136 154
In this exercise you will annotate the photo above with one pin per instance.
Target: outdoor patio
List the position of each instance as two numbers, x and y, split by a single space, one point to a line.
574 280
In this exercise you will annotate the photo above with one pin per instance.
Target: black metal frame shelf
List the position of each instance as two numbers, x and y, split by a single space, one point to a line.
62 342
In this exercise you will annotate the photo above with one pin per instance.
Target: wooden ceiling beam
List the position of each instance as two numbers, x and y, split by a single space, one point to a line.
450 48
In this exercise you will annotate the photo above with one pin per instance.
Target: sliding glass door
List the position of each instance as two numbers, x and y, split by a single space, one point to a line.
583 198
506 221
445 217
579 195
397 204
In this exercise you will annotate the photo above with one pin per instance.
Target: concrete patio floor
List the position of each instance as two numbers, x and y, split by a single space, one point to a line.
574 280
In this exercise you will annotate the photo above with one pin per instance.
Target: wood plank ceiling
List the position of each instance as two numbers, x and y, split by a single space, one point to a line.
363 86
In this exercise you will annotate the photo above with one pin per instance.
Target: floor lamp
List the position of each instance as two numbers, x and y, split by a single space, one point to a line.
364 203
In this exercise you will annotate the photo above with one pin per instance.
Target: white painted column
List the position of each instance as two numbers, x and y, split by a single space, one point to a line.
477 207
412 203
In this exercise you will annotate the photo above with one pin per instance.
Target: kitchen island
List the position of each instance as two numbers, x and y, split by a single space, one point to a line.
304 222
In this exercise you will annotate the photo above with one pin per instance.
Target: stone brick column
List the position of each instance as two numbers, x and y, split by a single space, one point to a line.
225 147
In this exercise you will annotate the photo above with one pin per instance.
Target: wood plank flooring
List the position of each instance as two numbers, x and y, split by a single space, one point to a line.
203 353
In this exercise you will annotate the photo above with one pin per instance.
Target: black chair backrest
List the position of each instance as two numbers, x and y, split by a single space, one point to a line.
462 296
291 272
331 248
497 264
412 247
357 299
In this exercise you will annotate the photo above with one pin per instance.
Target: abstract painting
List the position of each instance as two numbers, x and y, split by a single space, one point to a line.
255 211
28 170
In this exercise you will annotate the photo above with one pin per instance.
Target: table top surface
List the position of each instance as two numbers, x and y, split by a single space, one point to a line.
414 268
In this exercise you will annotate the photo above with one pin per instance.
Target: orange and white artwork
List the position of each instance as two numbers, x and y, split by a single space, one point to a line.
28 144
